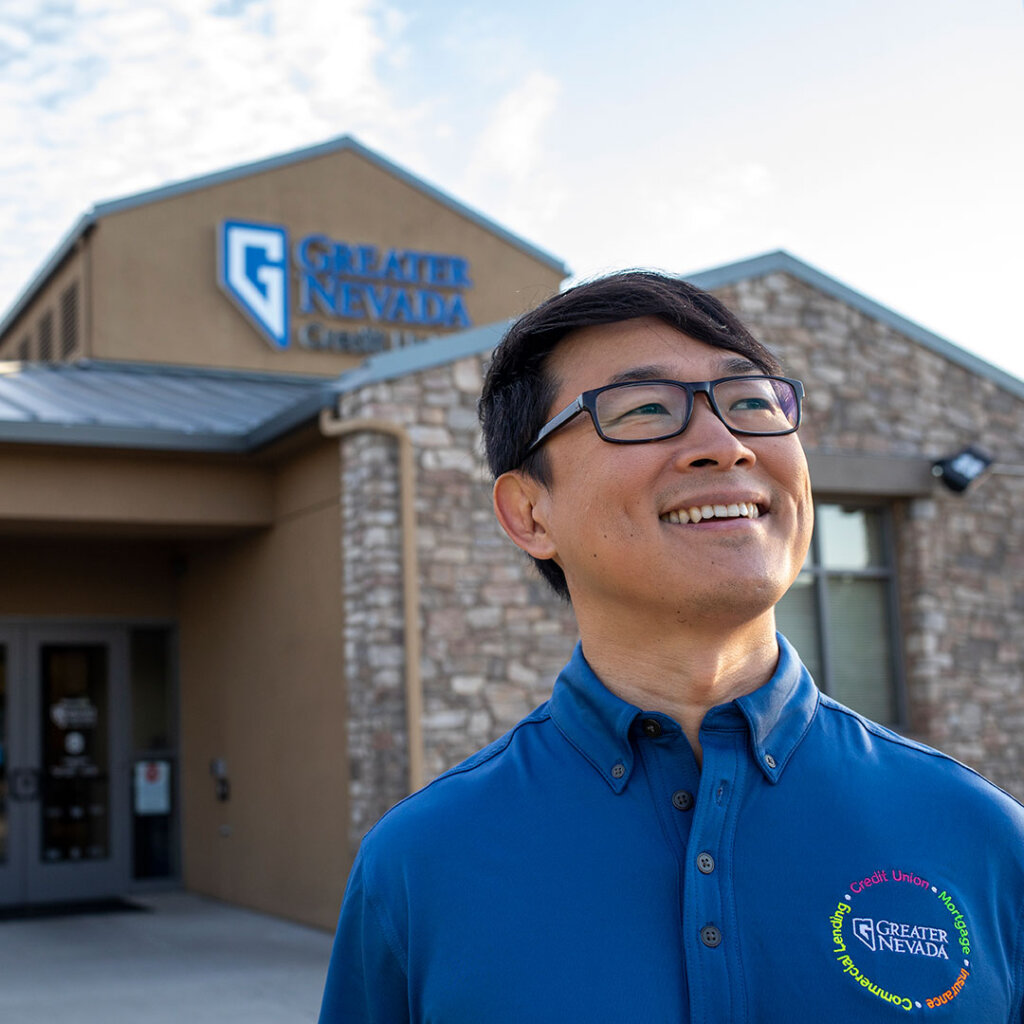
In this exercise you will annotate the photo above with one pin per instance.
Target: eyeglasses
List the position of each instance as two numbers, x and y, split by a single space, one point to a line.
636 412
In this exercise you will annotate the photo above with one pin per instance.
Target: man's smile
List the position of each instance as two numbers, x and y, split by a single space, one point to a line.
696 513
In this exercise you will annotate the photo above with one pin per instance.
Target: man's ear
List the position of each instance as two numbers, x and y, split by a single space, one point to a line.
520 503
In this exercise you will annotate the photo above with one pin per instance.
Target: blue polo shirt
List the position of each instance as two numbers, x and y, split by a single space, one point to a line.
817 868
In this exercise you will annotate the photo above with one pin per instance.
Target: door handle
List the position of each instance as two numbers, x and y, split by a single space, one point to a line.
25 784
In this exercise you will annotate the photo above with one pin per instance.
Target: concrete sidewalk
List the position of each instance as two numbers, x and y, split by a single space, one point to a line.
189 961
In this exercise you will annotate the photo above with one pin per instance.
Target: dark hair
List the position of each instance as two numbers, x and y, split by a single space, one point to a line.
518 392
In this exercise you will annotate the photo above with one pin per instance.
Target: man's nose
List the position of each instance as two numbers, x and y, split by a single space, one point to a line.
707 441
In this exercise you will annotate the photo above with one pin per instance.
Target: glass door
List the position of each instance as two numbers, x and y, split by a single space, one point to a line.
78 714
66 827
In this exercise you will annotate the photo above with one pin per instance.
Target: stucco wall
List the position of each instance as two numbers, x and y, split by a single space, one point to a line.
262 688
156 296
87 577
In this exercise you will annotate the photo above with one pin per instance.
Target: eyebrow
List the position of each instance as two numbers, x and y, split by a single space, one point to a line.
737 364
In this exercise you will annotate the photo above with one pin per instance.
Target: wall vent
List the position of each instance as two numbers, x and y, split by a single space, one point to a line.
69 321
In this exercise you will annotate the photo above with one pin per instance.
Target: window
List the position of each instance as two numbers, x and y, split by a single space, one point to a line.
840 612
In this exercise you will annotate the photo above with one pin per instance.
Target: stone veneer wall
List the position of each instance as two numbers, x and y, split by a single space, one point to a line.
960 557
494 637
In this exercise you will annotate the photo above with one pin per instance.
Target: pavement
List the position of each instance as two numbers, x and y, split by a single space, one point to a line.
187 960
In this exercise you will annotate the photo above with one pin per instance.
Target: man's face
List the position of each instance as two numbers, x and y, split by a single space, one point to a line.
606 510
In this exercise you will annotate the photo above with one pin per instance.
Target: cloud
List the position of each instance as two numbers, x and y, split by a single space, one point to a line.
511 145
107 97
511 173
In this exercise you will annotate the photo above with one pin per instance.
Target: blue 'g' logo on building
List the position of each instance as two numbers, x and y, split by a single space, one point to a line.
253 266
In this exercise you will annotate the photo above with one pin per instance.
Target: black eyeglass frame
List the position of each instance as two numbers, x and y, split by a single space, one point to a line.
587 402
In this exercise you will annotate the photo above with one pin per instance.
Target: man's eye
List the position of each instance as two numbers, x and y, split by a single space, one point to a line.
648 409
751 404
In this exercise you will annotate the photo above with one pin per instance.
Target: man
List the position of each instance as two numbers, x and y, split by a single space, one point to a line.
687 830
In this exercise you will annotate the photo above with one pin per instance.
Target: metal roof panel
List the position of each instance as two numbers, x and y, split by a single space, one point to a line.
146 406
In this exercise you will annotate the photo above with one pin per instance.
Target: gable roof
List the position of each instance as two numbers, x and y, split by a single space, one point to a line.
782 262
342 144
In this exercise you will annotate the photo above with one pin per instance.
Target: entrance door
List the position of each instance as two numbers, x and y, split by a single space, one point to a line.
65 785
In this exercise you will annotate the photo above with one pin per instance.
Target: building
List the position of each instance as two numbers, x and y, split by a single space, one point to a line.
254 589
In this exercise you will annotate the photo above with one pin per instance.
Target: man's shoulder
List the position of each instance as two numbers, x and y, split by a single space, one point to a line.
910 764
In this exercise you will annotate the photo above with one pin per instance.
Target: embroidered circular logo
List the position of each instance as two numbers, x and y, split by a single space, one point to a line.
902 938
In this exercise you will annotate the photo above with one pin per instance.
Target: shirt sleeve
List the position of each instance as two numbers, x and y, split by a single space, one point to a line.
366 980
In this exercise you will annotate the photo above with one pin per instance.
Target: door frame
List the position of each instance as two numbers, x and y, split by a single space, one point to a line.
22 780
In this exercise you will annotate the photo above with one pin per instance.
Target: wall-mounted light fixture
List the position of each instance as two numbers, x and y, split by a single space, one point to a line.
959 471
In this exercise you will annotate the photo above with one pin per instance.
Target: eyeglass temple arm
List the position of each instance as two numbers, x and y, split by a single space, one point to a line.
572 409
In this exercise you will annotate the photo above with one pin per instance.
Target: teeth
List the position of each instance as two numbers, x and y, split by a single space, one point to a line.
747 510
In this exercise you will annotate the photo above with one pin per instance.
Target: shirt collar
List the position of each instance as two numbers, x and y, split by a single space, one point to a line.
598 724
778 713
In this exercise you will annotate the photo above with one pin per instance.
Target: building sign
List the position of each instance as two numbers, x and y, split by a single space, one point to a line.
350 297
253 270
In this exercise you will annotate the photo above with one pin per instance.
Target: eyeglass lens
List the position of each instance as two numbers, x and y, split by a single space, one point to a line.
645 412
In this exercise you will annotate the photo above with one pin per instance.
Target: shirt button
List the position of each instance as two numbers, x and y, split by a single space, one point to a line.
682 800
710 936
769 760
652 727
705 864
618 770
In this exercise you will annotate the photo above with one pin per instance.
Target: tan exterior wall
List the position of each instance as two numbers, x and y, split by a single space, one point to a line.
85 578
155 272
262 687
250 569
53 488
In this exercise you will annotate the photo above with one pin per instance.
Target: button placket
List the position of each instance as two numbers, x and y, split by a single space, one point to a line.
710 948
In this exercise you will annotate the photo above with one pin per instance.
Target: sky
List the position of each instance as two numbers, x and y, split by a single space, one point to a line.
880 141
